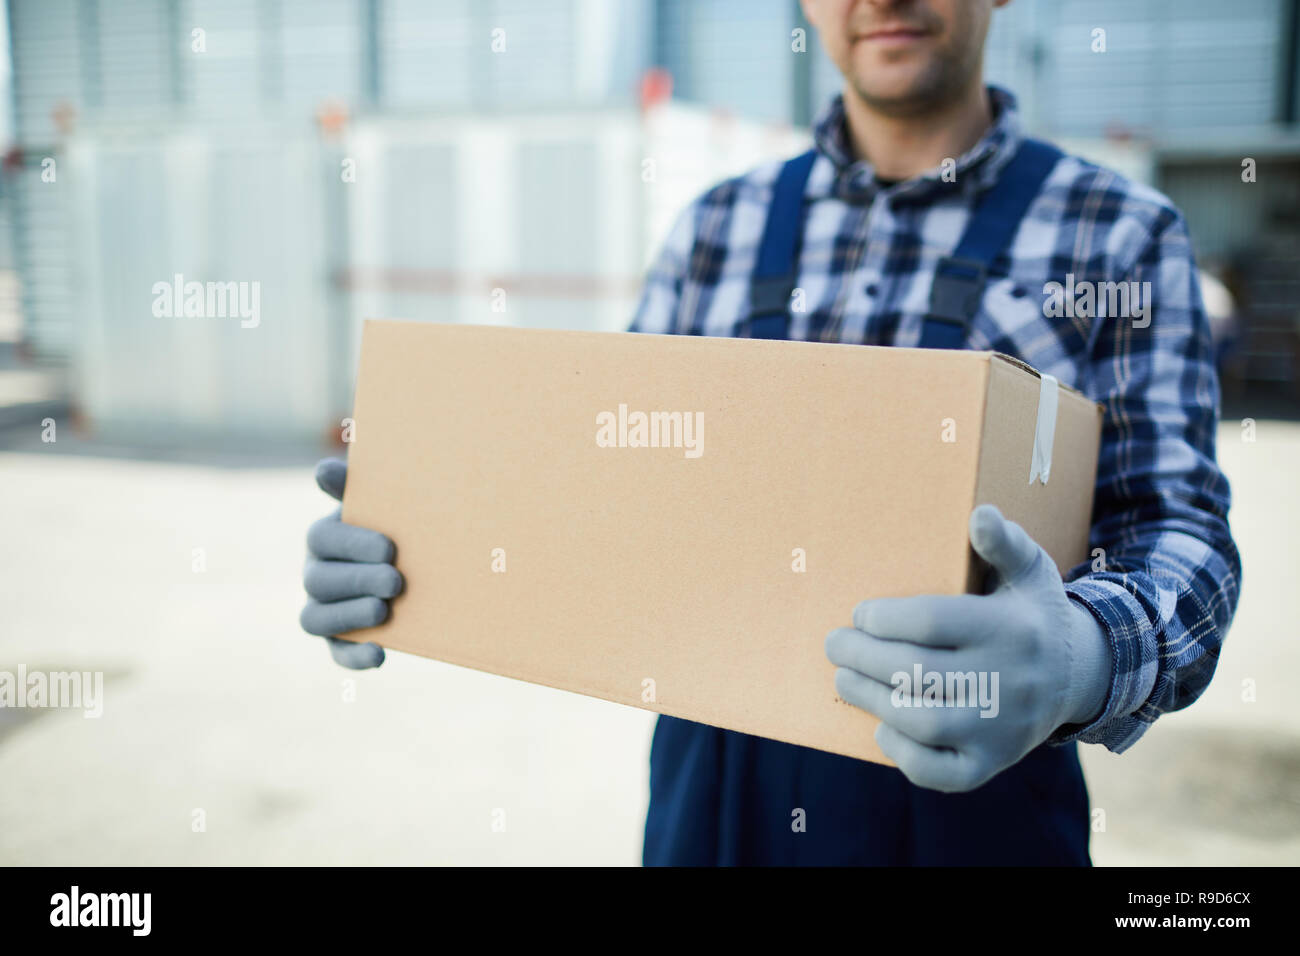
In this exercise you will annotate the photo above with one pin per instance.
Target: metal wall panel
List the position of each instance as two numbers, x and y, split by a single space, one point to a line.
41 212
232 76
426 53
1169 65
321 51
546 208
48 65
539 65
556 53
213 210
136 66
733 54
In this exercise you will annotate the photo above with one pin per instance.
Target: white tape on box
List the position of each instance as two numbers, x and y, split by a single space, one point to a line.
1040 465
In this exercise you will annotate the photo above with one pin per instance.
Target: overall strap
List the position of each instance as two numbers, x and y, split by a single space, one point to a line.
776 269
959 278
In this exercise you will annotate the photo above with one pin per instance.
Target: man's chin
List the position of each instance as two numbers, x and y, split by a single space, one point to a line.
900 95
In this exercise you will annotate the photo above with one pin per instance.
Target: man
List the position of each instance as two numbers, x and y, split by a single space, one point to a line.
924 217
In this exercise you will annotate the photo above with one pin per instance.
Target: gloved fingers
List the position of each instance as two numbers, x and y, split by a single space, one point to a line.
880 659
331 475
328 581
934 726
1005 545
355 656
949 771
329 538
339 617
931 620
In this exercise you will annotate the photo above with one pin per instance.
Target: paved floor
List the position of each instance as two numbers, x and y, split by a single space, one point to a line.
215 702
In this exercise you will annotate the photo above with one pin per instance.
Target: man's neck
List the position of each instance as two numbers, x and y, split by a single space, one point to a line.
900 147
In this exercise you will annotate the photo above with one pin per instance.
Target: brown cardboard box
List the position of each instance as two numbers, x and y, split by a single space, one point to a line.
664 577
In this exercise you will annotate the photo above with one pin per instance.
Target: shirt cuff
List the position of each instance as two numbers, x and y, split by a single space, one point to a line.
1134 653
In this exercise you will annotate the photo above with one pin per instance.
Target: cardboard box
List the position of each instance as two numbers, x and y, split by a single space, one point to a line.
541 541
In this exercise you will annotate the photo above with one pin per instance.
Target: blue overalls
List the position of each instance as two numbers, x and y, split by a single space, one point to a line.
718 797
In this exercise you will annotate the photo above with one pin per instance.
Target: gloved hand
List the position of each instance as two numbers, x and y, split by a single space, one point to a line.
349 577
1052 661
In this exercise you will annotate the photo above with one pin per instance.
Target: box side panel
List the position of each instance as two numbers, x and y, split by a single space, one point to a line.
823 479
1057 514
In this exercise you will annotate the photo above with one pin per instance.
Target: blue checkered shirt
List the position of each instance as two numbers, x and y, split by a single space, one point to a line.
1170 572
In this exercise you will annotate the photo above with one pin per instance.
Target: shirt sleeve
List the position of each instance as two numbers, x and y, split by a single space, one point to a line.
661 294
1165 574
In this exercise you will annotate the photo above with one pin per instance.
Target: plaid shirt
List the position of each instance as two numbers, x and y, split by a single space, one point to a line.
1170 574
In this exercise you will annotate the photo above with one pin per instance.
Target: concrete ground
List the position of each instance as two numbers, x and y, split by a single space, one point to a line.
218 708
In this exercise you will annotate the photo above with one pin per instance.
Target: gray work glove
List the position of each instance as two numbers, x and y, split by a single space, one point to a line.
1050 658
349 577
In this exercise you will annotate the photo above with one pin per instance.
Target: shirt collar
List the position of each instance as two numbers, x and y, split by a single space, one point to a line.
976 169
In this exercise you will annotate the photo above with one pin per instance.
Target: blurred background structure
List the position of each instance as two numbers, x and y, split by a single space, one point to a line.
540 147
434 159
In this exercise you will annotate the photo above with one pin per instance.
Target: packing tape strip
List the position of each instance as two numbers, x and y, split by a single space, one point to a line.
1040 465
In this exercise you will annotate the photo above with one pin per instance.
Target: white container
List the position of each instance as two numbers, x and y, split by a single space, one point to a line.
540 220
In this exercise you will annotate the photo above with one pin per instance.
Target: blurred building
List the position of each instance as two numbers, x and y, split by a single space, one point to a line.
502 145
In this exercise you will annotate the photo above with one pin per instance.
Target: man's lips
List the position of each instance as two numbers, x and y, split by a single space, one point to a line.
894 35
